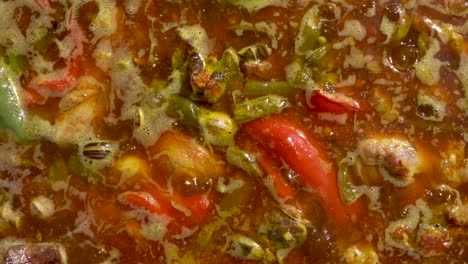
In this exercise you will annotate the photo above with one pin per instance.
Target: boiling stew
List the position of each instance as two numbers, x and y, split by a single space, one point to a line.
233 131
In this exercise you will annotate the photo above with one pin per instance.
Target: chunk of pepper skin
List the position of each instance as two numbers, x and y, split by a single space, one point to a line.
306 157
159 202
333 103
12 115
70 73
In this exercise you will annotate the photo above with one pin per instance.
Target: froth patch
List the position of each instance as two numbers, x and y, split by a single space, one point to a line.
428 68
105 23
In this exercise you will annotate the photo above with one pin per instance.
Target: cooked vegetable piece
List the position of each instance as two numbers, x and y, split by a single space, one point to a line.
348 191
12 114
258 88
243 247
244 160
156 201
334 103
262 167
259 107
129 170
72 70
217 128
313 57
307 158
307 39
184 109
282 231
255 52
274 179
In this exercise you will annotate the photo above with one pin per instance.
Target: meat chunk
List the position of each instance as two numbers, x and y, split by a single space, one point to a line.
46 253
397 158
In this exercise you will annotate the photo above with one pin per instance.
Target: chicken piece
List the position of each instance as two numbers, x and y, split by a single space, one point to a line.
397 158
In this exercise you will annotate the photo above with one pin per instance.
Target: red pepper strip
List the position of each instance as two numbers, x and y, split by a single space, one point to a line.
74 60
157 202
32 96
200 207
282 188
154 205
44 4
64 81
305 156
333 103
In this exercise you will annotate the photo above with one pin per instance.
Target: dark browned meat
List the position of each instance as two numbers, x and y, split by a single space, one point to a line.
34 254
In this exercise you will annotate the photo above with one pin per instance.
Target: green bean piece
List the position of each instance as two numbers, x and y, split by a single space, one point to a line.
259 107
244 160
184 109
259 88
12 115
